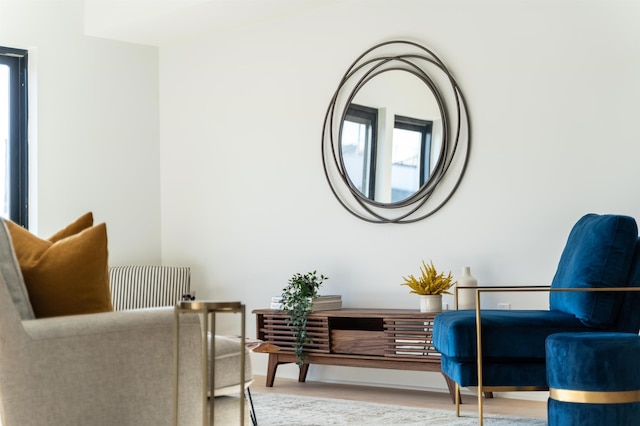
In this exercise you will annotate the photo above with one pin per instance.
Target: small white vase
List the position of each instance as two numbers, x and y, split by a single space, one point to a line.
466 297
431 303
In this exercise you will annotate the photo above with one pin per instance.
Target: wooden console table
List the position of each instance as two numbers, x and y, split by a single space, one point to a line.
399 339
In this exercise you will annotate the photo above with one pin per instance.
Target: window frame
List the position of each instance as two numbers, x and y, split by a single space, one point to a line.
369 117
425 128
18 161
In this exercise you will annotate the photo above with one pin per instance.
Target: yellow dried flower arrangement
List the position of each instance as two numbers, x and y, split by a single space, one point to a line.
430 282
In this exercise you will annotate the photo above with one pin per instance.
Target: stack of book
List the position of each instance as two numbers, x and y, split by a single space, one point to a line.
320 303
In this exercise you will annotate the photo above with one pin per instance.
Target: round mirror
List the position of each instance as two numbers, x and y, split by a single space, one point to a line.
390 143
396 137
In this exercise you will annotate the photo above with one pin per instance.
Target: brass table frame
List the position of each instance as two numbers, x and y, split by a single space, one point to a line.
207 309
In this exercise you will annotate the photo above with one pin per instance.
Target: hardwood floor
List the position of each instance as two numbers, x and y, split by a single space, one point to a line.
408 397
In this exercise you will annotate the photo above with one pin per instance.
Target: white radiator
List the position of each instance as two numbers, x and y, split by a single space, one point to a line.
136 287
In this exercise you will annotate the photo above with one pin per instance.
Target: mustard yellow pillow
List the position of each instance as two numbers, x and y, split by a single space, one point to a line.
65 277
80 224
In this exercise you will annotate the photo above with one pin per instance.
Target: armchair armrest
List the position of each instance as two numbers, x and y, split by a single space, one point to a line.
495 288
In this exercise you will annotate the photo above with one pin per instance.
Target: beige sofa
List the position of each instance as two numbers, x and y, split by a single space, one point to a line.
102 369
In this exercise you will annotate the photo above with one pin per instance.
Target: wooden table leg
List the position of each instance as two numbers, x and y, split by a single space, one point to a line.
272 366
302 374
452 388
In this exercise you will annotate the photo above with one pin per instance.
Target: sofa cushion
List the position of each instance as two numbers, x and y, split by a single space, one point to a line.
598 253
226 362
66 277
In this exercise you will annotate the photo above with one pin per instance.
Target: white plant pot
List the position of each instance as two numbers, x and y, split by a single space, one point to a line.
431 303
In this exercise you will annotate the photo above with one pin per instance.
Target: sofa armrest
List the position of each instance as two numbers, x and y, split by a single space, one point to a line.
127 322
107 368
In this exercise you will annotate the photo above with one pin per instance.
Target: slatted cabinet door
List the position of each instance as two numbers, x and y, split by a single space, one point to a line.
275 329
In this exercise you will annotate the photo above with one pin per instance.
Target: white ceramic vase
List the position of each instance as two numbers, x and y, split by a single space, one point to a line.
466 297
431 303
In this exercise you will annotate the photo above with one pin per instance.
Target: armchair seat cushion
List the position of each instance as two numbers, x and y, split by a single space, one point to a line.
506 334
522 372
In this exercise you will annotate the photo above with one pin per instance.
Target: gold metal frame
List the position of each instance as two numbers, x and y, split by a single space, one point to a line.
509 289
207 309
594 397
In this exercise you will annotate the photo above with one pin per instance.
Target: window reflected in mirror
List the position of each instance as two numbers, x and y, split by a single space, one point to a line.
386 172
358 147
411 156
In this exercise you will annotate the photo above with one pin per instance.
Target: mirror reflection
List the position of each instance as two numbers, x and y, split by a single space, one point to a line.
391 136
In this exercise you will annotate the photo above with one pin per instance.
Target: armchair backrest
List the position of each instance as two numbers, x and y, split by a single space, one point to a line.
628 320
599 253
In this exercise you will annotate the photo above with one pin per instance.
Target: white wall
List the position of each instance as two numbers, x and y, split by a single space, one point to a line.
553 94
94 135
237 190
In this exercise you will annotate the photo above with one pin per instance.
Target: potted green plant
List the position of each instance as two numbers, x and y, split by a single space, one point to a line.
430 286
297 303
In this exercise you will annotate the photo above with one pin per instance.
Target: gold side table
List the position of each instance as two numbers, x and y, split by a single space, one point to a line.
207 309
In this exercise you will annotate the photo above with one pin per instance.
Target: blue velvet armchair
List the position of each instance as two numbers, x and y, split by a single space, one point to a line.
602 251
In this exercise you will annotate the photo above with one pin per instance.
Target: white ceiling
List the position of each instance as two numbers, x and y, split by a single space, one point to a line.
157 22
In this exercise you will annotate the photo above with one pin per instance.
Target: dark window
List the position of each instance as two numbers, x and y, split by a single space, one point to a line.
13 135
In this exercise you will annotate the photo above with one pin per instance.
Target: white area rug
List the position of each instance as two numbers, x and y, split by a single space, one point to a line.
287 410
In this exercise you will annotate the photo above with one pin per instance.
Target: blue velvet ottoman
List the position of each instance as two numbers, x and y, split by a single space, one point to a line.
593 378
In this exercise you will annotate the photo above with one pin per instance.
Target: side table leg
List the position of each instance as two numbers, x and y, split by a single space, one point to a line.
243 339
176 363
205 365
302 375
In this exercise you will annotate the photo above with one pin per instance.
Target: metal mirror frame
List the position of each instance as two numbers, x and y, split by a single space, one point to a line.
454 154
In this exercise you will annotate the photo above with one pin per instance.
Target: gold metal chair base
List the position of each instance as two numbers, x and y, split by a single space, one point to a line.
622 396
494 389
